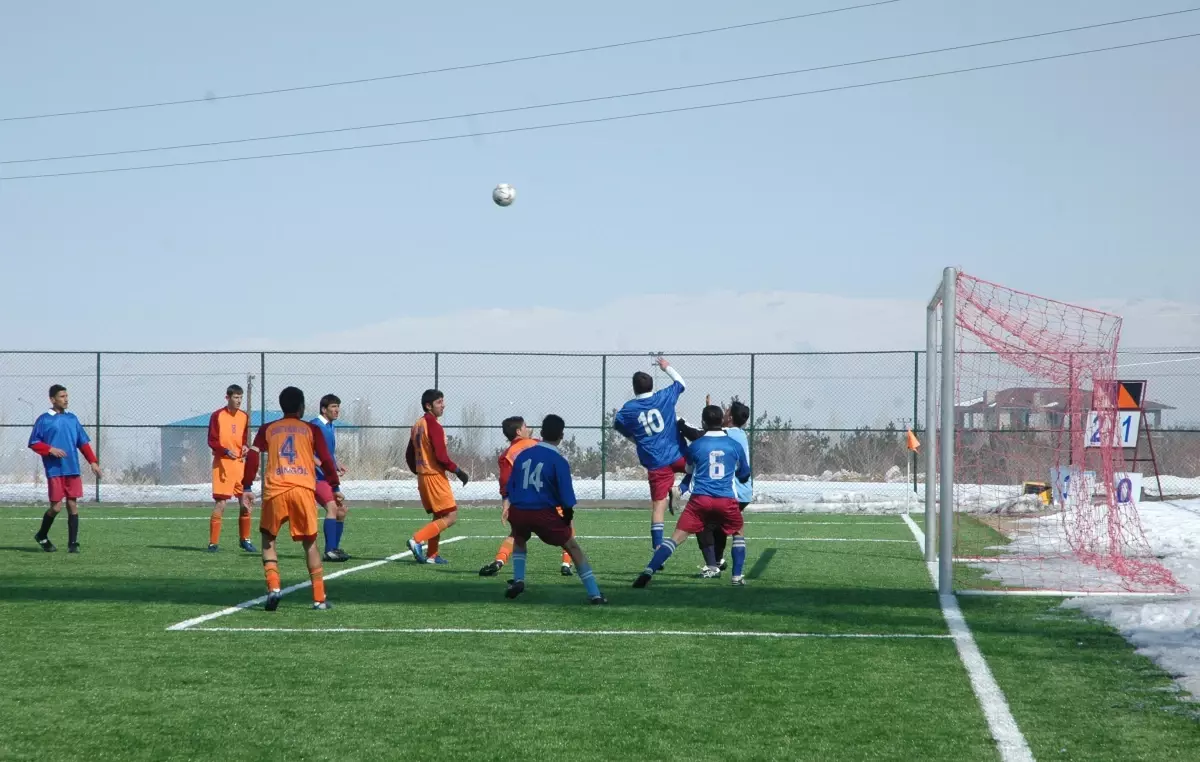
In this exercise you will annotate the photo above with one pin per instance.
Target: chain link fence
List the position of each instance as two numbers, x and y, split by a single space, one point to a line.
826 427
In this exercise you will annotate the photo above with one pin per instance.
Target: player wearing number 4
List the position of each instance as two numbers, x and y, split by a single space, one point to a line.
649 421
428 458
541 501
717 460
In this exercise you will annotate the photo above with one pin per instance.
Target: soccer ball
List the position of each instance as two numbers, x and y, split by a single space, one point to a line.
504 194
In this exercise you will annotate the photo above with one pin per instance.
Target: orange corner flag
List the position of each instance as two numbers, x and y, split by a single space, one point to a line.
913 443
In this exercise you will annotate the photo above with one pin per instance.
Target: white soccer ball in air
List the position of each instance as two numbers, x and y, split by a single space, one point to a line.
504 194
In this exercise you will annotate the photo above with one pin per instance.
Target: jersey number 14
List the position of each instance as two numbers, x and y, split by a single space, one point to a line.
534 478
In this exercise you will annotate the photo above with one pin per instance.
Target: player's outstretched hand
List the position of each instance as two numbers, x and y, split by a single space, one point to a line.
663 363
462 476
96 469
568 515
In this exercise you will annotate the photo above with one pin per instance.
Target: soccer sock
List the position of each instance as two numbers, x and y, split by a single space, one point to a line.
705 541
214 528
589 581
341 526
431 530
505 552
656 534
720 540
317 576
566 558
739 555
271 569
244 525
47 520
330 527
72 528
431 547
710 555
518 562
661 555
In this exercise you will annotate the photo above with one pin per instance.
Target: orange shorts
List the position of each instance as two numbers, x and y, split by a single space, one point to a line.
297 506
436 495
227 478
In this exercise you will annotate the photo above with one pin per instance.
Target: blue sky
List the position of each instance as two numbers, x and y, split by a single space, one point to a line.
1076 178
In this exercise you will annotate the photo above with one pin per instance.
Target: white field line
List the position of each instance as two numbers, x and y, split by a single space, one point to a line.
1010 742
613 633
1071 593
87 516
189 623
749 537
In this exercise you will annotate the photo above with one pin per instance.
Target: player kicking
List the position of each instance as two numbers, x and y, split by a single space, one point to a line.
58 437
647 420
229 439
538 487
428 458
520 439
335 510
292 447
717 460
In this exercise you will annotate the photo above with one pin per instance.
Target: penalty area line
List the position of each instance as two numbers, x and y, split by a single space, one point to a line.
604 633
190 623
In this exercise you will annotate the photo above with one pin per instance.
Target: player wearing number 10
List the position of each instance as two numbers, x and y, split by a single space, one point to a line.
644 420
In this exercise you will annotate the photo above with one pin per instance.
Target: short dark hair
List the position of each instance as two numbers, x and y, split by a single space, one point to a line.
429 397
739 413
291 401
552 428
234 389
330 399
510 426
713 416
642 382
54 390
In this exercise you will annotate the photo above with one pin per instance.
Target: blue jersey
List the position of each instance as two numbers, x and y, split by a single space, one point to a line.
744 488
326 428
64 431
717 461
649 420
540 478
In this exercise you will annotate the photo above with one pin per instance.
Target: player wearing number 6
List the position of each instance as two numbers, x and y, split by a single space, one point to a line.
718 462
649 421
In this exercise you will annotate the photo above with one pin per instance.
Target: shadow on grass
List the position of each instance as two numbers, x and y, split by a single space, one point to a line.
20 549
180 548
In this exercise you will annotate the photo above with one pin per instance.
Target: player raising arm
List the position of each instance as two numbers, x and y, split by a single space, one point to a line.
649 421
520 439
292 447
229 440
58 437
716 460
428 458
539 485
335 510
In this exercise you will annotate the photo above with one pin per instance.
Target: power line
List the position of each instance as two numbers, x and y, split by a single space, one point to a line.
459 67
600 120
595 99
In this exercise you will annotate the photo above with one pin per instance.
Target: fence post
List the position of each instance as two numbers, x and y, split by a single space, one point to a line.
97 422
750 438
916 395
603 424
436 370
262 408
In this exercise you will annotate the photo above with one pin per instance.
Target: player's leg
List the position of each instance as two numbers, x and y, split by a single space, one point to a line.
316 573
502 555
565 569
244 522
664 551
329 526
214 523
302 518
438 500
340 515
720 541
73 524
739 559
660 491
222 492
733 524
705 540
270 521
584 567
56 494
521 535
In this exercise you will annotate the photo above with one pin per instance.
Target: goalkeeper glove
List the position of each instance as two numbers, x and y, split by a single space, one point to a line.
568 514
462 476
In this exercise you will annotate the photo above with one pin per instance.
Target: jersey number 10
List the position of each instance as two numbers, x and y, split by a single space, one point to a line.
652 421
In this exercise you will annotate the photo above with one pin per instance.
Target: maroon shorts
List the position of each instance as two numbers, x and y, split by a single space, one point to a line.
544 522
324 493
663 479
719 512
61 487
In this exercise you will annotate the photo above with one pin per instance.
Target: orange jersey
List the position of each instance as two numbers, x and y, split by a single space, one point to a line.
426 454
228 432
292 447
505 461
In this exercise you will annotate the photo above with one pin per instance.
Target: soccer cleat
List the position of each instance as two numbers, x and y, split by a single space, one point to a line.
417 551
565 570
642 580
213 547
722 564
247 546
491 570
272 603
515 588
598 600
333 555
710 572
436 560
73 547
342 555
322 605
45 543
738 581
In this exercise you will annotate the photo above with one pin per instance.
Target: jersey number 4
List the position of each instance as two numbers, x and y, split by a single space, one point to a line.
534 478
652 421
288 450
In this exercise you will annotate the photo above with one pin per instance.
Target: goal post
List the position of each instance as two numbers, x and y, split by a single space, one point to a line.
939 540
